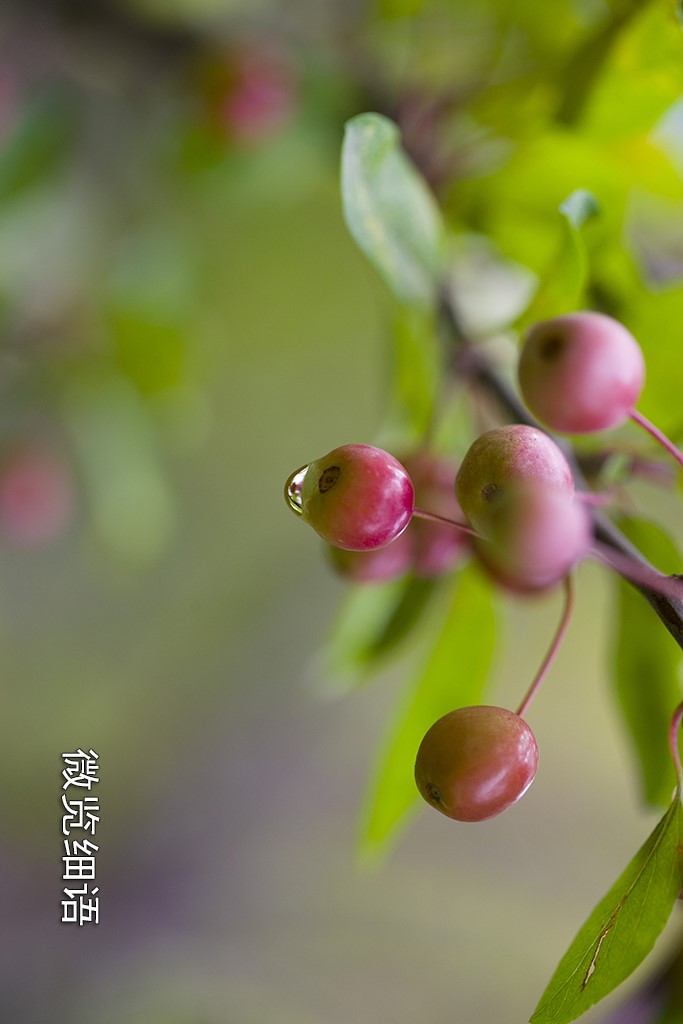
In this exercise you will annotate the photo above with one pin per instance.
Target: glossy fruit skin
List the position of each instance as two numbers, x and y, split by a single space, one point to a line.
427 549
581 373
475 762
535 536
357 497
503 458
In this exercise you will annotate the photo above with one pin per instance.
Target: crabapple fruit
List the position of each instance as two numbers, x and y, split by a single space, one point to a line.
581 373
508 457
356 497
475 762
534 537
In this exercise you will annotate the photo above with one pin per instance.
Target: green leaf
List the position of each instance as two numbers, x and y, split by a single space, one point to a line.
390 211
373 621
564 282
622 929
642 77
453 676
647 664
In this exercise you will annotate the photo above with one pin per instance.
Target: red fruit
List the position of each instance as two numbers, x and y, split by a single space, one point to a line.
356 497
476 762
508 458
251 93
581 373
36 496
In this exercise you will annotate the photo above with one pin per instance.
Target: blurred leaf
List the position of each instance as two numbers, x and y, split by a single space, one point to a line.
488 290
149 300
417 371
564 282
129 500
622 929
579 207
373 621
647 664
641 78
400 8
654 319
453 676
389 209
37 146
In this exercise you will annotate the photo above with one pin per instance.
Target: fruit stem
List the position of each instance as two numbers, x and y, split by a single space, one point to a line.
655 432
673 744
554 646
434 518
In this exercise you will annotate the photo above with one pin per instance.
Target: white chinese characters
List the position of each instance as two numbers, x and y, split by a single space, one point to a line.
81 814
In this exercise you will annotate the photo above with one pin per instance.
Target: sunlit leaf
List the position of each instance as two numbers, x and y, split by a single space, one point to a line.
622 929
641 76
647 664
389 209
454 675
654 320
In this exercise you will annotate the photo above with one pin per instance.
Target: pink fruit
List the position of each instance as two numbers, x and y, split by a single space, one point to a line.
36 496
508 458
356 497
534 537
581 373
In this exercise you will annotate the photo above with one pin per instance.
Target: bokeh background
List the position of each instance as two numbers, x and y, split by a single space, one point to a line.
184 321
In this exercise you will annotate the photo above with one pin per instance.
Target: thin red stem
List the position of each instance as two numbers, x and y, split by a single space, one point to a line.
655 432
554 646
434 518
673 743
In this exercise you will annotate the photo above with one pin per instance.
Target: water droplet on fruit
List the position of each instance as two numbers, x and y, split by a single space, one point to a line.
293 489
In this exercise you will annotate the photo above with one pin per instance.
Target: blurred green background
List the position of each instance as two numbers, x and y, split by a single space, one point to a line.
184 321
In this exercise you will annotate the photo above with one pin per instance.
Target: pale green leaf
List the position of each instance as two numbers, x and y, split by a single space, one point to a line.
389 209
622 929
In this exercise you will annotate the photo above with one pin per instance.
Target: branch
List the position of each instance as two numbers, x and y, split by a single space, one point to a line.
468 359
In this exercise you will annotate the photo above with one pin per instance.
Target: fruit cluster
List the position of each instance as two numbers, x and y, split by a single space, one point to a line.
512 502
